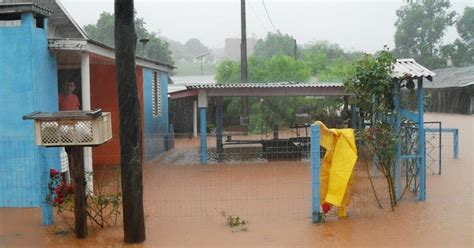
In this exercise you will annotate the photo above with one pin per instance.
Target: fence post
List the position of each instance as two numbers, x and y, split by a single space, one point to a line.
421 142
456 143
46 208
315 157
202 112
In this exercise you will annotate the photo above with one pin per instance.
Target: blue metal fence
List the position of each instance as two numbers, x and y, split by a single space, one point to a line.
315 157
24 174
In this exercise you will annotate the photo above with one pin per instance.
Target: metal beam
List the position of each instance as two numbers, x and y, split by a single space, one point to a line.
283 91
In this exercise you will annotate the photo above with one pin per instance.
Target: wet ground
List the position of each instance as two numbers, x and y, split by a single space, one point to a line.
183 206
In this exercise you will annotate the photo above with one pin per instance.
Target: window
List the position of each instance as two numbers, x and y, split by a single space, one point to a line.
156 94
39 22
10 20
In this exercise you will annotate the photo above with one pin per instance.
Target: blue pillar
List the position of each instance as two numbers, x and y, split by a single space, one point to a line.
398 171
456 143
315 157
46 209
421 142
202 116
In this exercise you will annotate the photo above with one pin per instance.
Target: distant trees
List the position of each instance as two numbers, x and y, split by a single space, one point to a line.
461 52
279 68
189 50
328 61
156 48
275 44
420 29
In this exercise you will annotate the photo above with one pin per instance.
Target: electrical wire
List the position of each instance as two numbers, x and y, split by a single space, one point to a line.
268 15
256 16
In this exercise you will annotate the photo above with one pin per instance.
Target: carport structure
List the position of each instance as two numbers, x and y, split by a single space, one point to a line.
202 93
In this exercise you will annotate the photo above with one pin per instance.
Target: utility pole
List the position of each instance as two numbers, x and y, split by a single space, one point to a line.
243 62
131 173
296 47
201 58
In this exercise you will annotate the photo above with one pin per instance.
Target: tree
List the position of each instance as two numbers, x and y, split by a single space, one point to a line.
465 25
228 72
275 44
130 123
280 68
420 29
371 88
461 52
328 61
103 31
194 47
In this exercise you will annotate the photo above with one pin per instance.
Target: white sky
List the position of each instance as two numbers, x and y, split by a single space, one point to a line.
354 24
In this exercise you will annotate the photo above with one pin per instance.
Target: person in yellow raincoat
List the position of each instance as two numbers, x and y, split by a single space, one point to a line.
337 167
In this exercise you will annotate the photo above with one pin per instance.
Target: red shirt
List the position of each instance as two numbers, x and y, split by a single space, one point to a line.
69 102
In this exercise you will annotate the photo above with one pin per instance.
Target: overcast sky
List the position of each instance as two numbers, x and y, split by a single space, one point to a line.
355 25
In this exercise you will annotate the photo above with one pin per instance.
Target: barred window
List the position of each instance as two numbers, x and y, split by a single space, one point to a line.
156 94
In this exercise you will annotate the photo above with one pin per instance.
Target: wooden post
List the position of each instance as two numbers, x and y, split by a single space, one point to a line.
130 123
76 158
219 115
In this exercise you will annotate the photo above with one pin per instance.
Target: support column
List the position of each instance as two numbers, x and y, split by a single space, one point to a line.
195 119
421 142
46 208
398 171
202 104
86 105
456 143
315 158
353 117
219 115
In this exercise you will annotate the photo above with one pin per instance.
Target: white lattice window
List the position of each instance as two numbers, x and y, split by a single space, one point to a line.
156 94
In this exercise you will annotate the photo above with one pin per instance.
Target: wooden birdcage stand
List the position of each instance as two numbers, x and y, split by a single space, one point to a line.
74 130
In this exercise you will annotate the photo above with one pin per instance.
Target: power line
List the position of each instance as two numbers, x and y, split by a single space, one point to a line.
256 16
268 15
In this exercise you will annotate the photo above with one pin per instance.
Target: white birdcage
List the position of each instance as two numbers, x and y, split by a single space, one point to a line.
72 128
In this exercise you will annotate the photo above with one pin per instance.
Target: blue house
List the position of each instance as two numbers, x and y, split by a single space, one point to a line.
37 56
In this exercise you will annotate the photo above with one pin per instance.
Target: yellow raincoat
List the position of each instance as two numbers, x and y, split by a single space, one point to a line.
337 166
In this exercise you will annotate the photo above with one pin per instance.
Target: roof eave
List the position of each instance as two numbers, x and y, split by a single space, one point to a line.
101 49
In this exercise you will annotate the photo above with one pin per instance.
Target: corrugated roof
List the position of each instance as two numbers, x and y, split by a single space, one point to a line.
6 8
60 24
453 77
409 67
194 79
265 85
179 83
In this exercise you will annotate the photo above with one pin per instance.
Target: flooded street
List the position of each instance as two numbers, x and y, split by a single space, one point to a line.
183 206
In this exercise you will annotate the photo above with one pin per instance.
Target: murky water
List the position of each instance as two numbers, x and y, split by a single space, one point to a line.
183 205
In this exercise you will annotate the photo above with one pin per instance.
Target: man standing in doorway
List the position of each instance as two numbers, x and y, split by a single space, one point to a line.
68 100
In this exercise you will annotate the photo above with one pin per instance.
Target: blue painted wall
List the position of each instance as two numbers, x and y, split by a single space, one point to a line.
28 82
156 128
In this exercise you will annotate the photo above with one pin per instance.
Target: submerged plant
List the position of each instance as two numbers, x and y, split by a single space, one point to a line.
372 89
103 208
235 222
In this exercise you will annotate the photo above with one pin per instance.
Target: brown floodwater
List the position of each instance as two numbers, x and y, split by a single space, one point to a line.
183 205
